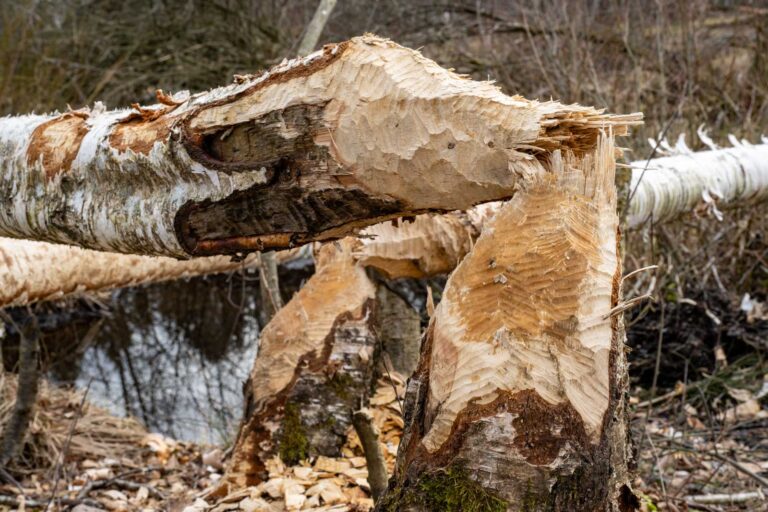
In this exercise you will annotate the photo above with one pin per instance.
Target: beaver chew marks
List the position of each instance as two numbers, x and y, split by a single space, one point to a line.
302 195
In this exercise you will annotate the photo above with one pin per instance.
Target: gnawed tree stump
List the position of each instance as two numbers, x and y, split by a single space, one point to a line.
317 147
518 402
322 353
312 370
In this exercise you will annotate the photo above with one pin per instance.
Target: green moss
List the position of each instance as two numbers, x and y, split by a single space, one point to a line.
294 445
340 384
531 501
449 490
648 502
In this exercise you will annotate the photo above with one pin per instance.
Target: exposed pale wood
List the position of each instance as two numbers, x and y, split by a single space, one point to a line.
313 149
425 246
33 271
519 389
314 364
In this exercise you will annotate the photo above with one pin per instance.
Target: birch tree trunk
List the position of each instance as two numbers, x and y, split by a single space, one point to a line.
518 400
660 189
314 149
663 188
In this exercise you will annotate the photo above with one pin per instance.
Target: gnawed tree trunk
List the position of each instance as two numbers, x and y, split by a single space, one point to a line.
312 369
317 147
431 244
308 377
35 271
518 400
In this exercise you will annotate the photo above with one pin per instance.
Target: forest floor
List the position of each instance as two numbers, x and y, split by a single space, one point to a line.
114 464
698 414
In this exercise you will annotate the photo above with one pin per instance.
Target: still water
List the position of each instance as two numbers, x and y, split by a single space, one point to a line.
174 355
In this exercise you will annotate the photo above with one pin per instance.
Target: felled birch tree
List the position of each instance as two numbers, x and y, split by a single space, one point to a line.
663 188
313 149
34 271
660 189
362 132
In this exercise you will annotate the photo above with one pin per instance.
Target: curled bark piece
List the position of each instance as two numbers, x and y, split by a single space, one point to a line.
518 401
374 458
314 149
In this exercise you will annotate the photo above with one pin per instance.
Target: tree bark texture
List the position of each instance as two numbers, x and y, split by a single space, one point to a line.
663 188
428 245
35 271
518 401
315 148
15 430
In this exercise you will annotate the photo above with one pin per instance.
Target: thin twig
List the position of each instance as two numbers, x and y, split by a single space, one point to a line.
387 363
65 449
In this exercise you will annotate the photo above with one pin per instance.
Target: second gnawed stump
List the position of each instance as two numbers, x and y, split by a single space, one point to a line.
317 362
518 400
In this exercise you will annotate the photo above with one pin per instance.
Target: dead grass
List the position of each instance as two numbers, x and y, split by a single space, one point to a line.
98 434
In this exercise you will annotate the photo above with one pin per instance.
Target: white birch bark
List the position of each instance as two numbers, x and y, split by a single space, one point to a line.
317 147
663 188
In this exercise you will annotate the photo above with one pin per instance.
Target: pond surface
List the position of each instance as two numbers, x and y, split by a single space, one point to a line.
174 355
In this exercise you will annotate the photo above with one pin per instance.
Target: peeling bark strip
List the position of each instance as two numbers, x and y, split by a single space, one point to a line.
519 389
35 271
315 148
